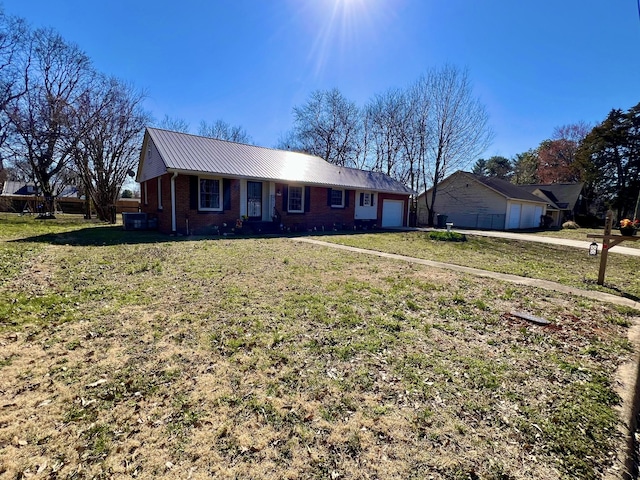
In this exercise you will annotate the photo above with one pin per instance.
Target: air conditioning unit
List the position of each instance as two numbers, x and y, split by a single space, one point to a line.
134 220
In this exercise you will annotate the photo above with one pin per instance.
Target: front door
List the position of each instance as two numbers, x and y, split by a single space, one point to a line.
254 200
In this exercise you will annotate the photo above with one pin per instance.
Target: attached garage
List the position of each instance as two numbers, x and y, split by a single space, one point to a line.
515 210
523 215
392 213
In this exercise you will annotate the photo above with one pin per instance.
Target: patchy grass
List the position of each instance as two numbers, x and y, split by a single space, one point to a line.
566 265
142 356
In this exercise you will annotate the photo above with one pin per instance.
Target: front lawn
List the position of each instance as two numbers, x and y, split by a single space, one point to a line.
129 354
566 265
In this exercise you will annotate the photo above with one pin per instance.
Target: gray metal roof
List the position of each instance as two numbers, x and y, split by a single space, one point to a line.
202 155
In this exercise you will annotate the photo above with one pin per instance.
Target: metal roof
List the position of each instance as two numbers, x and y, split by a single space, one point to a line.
202 155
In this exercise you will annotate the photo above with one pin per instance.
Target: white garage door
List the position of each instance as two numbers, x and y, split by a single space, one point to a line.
528 218
392 211
514 216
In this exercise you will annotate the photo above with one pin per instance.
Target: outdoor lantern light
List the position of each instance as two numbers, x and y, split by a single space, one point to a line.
593 249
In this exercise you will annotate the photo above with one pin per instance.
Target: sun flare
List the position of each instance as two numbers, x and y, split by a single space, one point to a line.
341 28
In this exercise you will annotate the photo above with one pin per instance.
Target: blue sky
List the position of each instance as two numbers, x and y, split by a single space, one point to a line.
535 65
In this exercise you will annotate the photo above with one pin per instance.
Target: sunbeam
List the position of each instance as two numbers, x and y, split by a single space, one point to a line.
343 28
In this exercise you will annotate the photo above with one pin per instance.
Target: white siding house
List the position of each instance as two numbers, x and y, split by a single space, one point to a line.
473 201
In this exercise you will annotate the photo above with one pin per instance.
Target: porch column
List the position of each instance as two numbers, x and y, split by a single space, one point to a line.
174 227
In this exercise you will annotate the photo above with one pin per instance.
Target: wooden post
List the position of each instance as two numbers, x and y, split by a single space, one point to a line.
605 246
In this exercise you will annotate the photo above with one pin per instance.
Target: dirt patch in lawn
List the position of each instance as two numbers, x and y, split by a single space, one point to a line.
268 359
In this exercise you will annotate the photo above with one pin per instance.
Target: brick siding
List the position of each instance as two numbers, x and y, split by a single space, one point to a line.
320 216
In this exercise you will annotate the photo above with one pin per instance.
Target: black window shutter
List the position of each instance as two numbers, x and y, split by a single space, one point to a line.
361 199
285 198
226 188
328 197
346 198
307 199
372 197
193 192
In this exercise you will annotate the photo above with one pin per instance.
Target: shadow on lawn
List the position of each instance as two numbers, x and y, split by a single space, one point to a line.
107 235
110 235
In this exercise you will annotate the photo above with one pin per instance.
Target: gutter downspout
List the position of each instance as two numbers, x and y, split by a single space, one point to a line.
173 203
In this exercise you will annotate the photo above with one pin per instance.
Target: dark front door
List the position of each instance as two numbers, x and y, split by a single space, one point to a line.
254 200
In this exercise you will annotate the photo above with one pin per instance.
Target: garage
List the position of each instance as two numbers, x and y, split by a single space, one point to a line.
392 213
514 216
523 215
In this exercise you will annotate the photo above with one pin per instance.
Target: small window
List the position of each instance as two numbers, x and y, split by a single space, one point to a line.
296 204
210 198
337 198
366 199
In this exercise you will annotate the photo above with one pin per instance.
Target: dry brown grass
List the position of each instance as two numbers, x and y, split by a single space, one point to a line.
272 359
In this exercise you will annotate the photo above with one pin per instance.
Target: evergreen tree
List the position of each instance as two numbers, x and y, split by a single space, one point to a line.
609 161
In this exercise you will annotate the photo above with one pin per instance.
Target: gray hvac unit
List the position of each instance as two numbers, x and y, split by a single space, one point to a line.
134 220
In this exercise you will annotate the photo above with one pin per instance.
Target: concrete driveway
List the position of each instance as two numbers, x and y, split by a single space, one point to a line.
552 240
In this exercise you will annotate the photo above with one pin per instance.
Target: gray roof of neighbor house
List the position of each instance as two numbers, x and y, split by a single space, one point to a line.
184 152
564 195
13 188
503 187
506 188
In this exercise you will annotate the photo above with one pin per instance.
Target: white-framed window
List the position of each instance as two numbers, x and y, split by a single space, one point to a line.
210 194
159 193
296 199
367 199
337 198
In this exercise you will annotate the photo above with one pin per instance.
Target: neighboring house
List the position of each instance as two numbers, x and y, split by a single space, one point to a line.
196 185
26 198
564 200
475 201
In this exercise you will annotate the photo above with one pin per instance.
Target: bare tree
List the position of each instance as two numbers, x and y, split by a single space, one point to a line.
59 74
417 134
173 124
328 126
386 120
13 63
224 131
108 151
458 125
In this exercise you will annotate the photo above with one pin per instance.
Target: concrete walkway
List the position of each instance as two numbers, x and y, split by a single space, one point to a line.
533 282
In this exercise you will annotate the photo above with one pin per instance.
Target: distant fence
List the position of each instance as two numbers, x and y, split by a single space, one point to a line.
494 221
30 204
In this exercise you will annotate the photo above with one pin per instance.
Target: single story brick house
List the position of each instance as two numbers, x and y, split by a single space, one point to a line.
475 201
197 185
